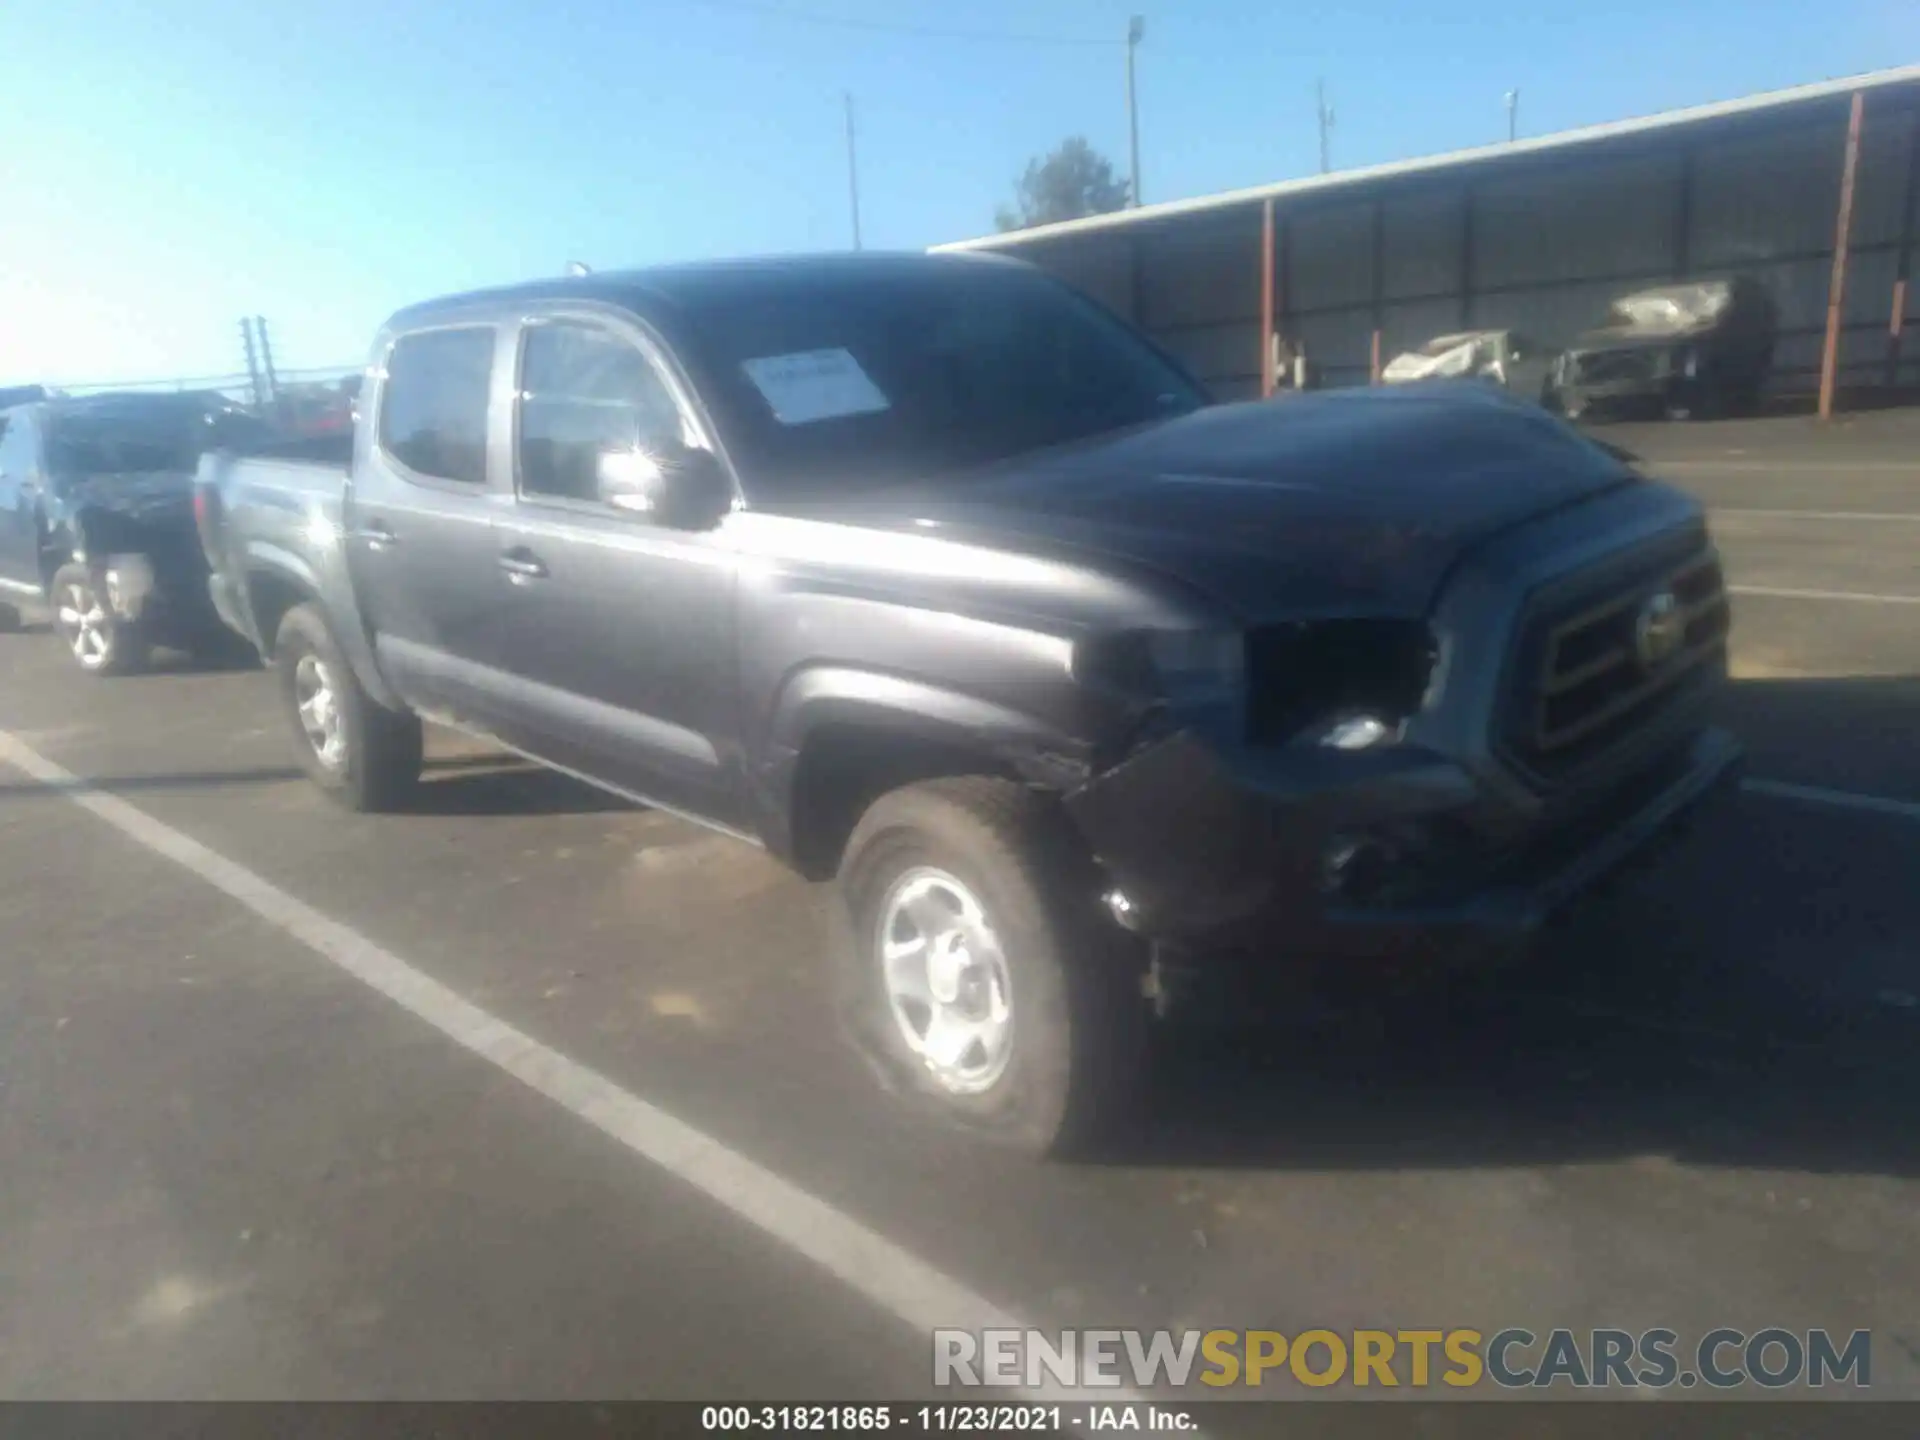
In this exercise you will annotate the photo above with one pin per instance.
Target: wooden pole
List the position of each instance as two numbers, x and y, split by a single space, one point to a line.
1376 357
1267 378
1136 27
1909 202
853 173
1837 286
1894 326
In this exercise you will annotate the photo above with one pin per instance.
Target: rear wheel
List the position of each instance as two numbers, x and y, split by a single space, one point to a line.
9 619
100 642
364 755
978 978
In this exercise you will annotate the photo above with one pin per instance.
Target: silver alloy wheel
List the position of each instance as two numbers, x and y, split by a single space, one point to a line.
85 625
316 698
946 980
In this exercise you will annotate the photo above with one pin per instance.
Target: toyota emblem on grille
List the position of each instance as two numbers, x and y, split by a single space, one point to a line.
1658 630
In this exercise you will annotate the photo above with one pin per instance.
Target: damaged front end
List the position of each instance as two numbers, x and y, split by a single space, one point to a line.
1322 813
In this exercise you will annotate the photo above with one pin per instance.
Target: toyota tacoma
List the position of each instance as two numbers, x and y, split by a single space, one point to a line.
935 578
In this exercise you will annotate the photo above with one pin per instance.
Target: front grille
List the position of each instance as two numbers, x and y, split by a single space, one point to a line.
1613 365
1586 678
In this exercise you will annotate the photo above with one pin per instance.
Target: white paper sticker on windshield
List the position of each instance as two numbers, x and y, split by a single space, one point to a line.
814 385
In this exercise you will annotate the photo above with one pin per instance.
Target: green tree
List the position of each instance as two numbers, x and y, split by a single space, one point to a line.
1074 181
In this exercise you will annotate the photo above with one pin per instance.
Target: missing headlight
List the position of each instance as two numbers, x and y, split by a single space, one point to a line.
1314 672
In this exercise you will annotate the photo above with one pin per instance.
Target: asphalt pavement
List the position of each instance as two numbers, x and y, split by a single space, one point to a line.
531 1093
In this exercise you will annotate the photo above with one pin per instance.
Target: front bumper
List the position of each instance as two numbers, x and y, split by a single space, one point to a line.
1221 849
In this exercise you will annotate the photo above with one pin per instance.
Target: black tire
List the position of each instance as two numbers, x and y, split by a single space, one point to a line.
1076 1057
101 643
380 750
9 619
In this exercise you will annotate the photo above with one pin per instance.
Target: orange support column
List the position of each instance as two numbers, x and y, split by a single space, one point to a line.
1837 287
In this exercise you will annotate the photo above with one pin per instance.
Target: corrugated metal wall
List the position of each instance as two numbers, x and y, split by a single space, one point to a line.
1540 244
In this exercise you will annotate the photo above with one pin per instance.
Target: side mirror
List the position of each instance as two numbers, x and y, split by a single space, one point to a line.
666 481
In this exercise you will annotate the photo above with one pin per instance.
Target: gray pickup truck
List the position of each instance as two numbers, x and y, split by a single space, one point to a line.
928 574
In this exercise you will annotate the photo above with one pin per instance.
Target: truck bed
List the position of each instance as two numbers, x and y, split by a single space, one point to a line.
280 503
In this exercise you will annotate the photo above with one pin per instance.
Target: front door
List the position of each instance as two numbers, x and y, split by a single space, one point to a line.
420 534
19 531
618 630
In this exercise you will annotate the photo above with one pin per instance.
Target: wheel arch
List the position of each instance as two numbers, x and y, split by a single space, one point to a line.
839 738
275 580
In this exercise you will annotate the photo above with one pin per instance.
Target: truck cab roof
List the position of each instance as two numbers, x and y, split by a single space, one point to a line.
705 280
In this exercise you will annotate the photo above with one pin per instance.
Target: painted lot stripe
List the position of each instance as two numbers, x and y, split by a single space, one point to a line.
1869 515
1792 467
1773 592
865 1261
1841 799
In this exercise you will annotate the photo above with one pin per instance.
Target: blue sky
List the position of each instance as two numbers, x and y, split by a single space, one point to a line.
167 166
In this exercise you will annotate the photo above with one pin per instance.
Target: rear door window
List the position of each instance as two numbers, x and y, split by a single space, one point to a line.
433 407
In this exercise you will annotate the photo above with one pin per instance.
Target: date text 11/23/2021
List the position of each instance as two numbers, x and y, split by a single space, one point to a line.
944 1419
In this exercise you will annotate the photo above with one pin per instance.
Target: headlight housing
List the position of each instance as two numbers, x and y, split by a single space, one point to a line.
1184 668
1347 684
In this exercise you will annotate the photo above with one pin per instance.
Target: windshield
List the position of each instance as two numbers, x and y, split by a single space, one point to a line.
1444 343
912 375
103 446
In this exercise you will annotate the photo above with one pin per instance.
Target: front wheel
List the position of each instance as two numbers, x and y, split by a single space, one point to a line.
100 642
978 977
361 753
9 618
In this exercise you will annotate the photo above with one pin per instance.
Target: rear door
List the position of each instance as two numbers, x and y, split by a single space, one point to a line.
618 628
19 481
425 499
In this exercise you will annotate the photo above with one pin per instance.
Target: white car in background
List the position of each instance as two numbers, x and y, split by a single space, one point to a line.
1514 361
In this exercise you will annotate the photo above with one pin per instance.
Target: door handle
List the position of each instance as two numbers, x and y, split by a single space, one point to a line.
376 535
522 565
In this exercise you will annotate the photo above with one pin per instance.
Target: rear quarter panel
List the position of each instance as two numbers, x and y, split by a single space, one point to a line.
285 521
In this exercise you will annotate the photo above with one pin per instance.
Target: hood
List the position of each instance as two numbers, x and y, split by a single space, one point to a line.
1660 316
1344 501
1440 358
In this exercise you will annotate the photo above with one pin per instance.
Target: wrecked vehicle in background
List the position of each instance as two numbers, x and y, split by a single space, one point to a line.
935 578
1515 362
1697 349
96 522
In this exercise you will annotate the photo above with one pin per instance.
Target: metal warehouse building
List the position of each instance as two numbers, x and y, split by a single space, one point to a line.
1538 236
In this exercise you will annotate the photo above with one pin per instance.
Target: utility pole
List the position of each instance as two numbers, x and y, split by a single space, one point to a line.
253 361
1136 27
266 361
853 172
1326 124
1513 115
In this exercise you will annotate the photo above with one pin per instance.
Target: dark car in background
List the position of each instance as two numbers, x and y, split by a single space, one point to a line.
1690 350
97 526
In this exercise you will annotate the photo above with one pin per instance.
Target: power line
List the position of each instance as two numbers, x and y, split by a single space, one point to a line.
888 27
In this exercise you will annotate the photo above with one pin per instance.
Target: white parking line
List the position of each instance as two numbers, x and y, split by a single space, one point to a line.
1841 799
1793 467
1775 592
1718 511
892 1278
